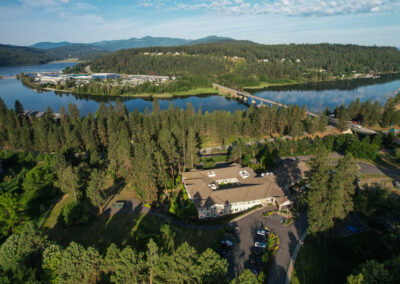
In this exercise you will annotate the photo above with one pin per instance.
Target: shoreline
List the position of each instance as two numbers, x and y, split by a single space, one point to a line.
265 85
192 92
195 91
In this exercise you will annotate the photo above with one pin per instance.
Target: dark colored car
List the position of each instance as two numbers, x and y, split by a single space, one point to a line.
255 259
259 238
226 244
233 229
257 250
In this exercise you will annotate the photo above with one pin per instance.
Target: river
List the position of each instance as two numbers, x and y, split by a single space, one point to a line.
316 97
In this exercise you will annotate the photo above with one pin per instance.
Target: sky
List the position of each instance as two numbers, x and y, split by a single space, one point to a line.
365 22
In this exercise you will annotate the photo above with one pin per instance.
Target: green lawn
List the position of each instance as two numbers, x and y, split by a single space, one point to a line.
131 229
55 212
332 261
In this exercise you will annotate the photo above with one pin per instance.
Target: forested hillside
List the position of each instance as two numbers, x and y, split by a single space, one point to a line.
17 55
241 63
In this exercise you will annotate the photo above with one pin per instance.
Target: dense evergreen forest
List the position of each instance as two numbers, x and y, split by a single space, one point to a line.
45 158
238 64
15 55
21 55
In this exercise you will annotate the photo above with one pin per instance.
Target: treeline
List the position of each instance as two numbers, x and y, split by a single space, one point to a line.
307 62
368 113
29 257
148 150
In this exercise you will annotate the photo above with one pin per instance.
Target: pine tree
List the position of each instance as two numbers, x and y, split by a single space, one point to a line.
318 197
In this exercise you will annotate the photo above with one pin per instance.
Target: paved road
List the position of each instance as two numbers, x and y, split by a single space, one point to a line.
364 168
288 235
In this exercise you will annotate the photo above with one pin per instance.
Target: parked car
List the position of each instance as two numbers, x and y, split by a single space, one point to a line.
211 174
262 239
266 174
262 232
213 186
233 229
260 245
257 251
227 244
118 204
255 259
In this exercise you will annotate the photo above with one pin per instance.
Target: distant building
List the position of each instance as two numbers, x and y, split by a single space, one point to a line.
104 76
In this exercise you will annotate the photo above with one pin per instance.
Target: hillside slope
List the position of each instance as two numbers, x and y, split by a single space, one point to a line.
18 55
241 63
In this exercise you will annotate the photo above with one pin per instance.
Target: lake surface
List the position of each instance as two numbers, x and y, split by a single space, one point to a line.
12 89
316 97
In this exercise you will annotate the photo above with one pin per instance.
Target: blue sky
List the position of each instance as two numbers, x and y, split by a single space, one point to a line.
366 22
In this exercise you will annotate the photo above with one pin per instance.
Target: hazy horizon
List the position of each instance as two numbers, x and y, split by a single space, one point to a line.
363 22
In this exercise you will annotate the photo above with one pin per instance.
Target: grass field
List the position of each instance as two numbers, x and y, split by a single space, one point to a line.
133 229
55 212
332 261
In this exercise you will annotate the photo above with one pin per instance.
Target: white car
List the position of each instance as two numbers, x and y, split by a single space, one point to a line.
211 174
266 174
260 245
213 186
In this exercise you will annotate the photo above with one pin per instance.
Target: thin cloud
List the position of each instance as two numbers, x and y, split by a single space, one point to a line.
280 7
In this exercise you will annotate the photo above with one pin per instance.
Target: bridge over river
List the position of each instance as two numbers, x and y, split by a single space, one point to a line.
246 97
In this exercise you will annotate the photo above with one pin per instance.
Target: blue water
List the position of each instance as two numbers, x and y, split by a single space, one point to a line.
314 99
12 89
318 100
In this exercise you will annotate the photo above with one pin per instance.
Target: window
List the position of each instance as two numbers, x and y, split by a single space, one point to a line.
208 214
215 214
236 209
220 212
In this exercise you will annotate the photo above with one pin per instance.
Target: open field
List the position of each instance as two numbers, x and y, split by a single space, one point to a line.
133 229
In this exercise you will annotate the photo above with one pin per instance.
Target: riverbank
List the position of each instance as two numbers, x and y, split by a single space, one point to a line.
193 92
67 60
264 85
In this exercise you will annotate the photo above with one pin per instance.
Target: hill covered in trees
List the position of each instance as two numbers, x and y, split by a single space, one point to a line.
241 63
20 55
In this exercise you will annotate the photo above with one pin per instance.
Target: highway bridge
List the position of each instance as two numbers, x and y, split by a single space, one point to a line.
247 97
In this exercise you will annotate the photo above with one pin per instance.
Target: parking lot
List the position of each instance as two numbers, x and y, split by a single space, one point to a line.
243 244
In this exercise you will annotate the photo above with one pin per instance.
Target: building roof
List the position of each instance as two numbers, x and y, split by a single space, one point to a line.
251 188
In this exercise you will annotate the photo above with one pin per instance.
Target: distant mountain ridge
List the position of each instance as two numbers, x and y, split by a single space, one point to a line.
148 41
50 45
44 52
